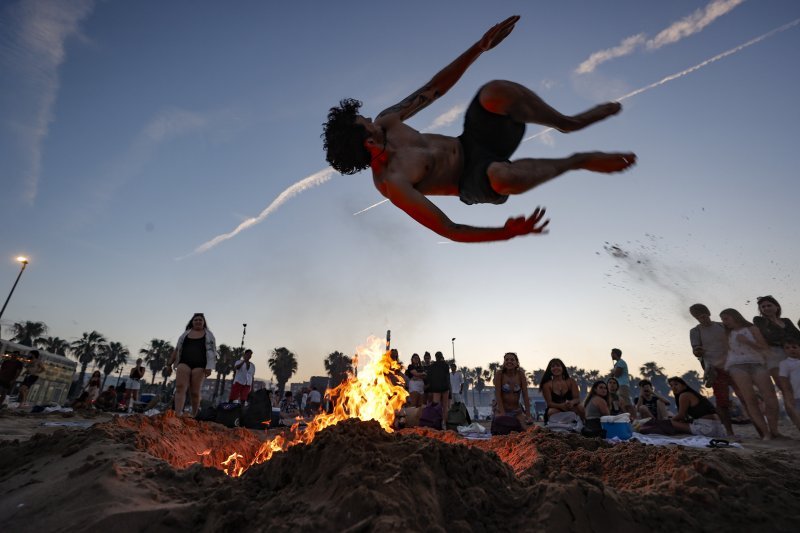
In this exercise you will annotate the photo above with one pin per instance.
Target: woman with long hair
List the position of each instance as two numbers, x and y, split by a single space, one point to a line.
597 404
194 358
774 329
511 386
560 391
746 364
696 415
416 381
618 405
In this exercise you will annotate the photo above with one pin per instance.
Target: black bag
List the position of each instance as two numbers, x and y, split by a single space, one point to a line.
229 414
207 414
503 425
258 413
431 416
593 428
457 415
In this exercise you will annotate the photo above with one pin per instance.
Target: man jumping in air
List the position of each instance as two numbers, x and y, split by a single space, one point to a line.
407 166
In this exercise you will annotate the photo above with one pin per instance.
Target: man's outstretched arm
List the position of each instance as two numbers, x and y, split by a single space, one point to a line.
418 207
449 75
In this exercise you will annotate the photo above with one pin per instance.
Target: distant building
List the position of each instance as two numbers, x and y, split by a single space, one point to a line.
53 385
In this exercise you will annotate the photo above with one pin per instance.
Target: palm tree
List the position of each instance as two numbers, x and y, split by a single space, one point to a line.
693 379
651 370
477 373
338 366
579 375
28 333
223 365
110 358
469 379
86 350
535 377
283 364
55 345
493 368
156 356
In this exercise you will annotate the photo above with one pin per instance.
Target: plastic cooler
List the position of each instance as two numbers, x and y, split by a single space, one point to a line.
621 430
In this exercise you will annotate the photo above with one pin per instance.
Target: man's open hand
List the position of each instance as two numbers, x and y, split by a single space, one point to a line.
517 226
497 33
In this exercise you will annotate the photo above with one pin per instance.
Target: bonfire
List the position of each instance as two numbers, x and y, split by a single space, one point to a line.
376 392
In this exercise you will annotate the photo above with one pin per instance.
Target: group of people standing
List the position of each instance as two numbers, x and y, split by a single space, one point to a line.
433 382
753 358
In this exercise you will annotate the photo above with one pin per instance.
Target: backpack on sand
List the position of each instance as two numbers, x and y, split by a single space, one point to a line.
258 413
457 415
431 416
229 414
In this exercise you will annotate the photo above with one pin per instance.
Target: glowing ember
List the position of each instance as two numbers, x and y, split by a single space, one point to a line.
375 394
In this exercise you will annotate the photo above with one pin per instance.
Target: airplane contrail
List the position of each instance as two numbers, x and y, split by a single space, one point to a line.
318 178
690 69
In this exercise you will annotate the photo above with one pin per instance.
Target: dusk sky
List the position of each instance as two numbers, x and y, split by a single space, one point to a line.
132 134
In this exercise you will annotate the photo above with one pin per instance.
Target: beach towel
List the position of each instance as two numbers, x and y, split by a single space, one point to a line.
692 441
565 422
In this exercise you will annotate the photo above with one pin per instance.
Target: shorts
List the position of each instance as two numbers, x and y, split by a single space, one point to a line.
624 393
416 385
775 355
239 391
29 380
133 384
487 138
751 369
707 427
722 384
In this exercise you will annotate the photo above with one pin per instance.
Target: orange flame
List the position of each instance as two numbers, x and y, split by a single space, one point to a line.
374 394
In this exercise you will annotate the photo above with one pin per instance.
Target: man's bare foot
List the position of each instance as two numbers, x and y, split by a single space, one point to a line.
595 114
607 163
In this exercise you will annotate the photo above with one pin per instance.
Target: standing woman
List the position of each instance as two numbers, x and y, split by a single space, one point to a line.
746 365
194 358
511 386
774 329
560 391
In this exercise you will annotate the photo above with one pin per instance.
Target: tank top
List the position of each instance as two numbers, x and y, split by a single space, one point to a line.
703 408
740 353
592 411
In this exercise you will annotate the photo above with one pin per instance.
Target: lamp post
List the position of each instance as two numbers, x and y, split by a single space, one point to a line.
453 340
24 261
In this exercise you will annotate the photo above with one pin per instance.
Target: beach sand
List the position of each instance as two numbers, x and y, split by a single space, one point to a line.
159 473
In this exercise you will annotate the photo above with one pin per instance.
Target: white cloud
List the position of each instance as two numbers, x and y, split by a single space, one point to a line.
33 49
447 118
626 47
692 24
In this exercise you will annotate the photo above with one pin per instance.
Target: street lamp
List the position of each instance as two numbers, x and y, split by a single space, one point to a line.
24 261
453 340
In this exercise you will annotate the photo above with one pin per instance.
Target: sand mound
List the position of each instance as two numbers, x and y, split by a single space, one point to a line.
130 474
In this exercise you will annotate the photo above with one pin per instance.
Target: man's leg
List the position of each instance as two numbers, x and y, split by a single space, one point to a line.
523 105
721 388
522 175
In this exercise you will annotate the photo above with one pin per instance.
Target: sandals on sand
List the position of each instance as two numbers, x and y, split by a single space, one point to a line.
718 443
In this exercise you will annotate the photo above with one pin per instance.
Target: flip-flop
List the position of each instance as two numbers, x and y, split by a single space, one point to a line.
718 443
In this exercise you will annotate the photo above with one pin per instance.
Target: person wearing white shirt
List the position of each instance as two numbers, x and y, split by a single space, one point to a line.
314 400
456 383
244 372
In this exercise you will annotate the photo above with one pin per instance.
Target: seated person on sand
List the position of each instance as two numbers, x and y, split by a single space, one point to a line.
617 403
289 410
560 391
409 166
107 401
789 379
696 415
650 404
416 381
597 404
511 386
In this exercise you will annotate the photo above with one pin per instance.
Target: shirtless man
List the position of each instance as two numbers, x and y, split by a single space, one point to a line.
407 166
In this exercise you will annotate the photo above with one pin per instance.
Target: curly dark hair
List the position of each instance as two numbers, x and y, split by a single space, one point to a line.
343 139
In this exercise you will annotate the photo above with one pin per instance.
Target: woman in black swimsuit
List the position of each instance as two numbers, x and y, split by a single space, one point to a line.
696 415
560 391
194 357
510 384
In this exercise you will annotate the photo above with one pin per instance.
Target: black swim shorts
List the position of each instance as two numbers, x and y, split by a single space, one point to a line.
487 137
